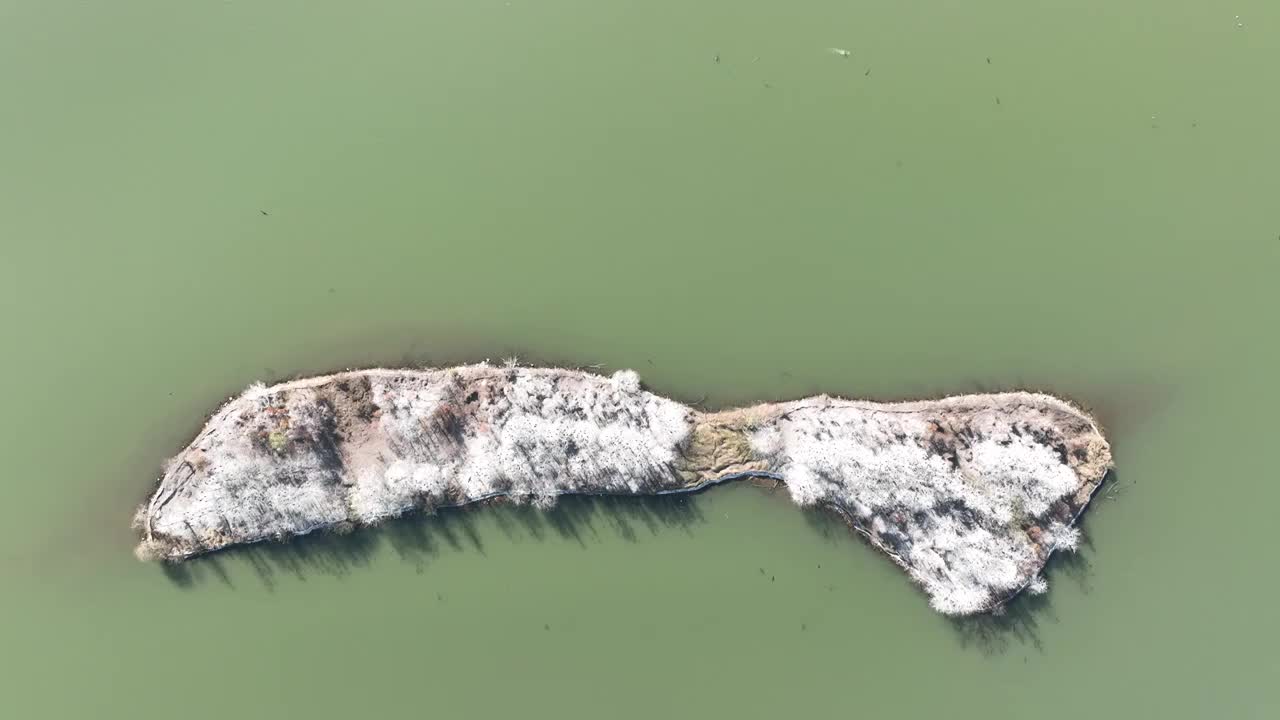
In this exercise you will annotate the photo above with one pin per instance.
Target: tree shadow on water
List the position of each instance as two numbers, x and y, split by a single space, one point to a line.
418 539
829 524
1018 624
1019 621
579 518
585 519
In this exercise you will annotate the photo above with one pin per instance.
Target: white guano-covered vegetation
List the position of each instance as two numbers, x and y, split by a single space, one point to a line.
942 494
970 495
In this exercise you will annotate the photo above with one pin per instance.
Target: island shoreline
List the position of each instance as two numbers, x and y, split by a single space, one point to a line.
707 449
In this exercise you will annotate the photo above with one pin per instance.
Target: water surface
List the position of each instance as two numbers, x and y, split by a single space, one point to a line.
1076 197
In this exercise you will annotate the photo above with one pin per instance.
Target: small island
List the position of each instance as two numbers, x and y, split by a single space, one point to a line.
970 495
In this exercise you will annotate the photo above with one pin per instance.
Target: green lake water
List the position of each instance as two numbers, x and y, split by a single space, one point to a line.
1081 197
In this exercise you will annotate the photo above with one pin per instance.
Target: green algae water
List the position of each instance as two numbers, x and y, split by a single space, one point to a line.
1075 197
